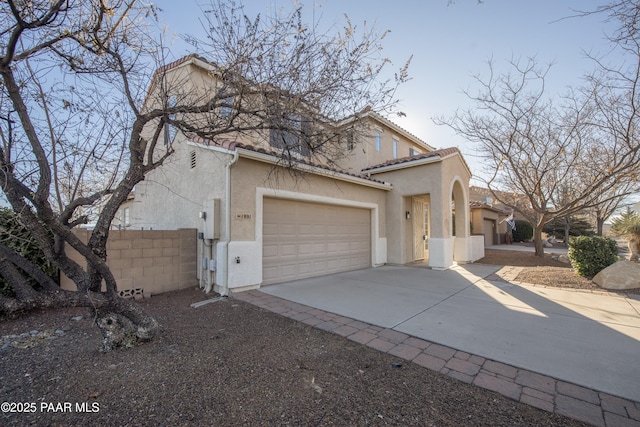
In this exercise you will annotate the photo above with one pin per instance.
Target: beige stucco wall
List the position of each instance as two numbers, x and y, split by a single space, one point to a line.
247 175
478 215
365 154
435 179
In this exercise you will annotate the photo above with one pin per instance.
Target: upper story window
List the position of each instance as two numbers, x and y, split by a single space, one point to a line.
351 140
227 107
292 135
127 217
412 152
378 141
169 130
395 149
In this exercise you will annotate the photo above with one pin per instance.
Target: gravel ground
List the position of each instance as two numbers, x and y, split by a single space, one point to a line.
228 364
545 271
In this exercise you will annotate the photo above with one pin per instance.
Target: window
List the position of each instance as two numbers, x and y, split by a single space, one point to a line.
395 149
351 142
127 217
169 130
412 152
378 143
227 107
291 134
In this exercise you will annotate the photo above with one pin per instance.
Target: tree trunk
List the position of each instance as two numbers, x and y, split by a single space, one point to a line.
537 240
599 225
634 249
567 227
122 322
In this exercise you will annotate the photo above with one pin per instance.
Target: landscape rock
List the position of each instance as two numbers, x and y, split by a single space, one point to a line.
619 276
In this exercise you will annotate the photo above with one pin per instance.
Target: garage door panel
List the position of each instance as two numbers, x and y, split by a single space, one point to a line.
313 239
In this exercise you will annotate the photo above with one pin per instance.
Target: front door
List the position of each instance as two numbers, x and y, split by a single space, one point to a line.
420 230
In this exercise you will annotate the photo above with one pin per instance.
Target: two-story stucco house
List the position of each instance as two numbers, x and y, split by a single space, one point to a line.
388 198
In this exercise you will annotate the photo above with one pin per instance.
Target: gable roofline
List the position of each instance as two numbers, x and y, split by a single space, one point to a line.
367 112
273 157
482 205
198 61
418 160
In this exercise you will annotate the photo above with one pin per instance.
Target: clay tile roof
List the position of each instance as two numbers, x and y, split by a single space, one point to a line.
483 205
444 152
234 145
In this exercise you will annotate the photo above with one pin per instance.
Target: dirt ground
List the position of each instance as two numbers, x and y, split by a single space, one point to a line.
229 364
545 271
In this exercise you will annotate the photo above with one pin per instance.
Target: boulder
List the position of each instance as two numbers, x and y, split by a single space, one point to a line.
619 276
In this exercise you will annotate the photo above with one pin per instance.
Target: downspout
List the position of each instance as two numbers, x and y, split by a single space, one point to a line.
227 226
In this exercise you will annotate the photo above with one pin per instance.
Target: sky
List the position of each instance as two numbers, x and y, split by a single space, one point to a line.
450 42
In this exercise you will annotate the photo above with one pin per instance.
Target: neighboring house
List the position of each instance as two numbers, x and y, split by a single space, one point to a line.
488 215
489 221
388 199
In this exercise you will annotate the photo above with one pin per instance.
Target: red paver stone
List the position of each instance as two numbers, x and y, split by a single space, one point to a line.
537 381
500 369
616 405
312 321
316 312
362 337
393 336
344 330
301 316
500 385
430 362
537 403
463 366
440 351
615 420
579 410
478 360
417 342
343 320
462 355
359 325
581 393
381 345
460 376
327 326
538 394
405 352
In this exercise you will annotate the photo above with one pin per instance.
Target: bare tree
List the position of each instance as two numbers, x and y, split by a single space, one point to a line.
564 154
614 199
80 126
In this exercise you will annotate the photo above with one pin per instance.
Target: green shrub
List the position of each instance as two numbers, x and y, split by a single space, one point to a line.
523 231
16 236
591 254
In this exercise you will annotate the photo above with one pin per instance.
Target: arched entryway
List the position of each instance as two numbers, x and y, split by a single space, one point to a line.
460 228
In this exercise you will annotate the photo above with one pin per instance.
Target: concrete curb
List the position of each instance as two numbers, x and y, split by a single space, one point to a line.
541 391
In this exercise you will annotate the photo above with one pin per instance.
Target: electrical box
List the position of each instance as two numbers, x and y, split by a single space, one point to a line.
212 265
211 219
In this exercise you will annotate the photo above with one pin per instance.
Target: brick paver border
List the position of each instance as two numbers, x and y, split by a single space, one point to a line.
541 391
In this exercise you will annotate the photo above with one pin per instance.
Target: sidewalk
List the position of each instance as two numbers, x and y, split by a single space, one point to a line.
522 248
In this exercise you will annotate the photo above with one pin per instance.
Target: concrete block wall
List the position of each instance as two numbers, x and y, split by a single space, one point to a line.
154 261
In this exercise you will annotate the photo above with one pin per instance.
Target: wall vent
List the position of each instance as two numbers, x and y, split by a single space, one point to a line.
192 159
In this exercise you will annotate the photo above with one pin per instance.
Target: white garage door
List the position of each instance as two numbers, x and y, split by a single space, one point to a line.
302 239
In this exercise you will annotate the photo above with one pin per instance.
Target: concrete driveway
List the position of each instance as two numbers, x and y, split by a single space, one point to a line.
590 339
